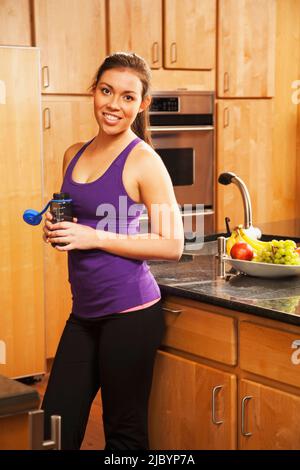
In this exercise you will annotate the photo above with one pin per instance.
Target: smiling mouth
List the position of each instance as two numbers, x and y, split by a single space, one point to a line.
111 117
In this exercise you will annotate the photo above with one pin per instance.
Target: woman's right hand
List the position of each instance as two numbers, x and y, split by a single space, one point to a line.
47 226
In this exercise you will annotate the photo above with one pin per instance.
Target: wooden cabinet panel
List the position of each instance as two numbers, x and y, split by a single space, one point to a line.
65 122
215 413
142 30
276 353
271 417
182 414
172 406
14 432
244 142
285 111
15 23
200 332
246 51
71 35
21 273
190 34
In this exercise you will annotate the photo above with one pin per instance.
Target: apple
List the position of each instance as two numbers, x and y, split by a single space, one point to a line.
242 250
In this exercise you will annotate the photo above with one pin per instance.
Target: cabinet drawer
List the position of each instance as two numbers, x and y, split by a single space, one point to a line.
270 352
200 332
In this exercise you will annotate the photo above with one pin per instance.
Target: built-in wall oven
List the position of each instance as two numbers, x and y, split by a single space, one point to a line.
182 130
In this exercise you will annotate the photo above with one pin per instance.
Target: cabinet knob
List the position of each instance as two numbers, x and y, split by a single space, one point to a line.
226 117
45 76
214 419
155 52
243 420
171 310
173 52
226 82
46 118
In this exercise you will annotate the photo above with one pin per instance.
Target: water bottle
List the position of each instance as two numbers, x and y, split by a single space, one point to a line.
61 210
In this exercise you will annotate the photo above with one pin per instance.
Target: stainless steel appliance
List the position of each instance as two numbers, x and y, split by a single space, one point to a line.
182 129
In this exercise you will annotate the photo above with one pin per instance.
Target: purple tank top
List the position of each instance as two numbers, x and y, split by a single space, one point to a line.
103 283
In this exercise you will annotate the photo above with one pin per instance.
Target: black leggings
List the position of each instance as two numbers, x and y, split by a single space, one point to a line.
115 354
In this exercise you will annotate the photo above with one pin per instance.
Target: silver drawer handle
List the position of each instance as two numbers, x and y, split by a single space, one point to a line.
171 310
155 52
173 52
213 411
243 430
226 82
45 76
36 432
47 118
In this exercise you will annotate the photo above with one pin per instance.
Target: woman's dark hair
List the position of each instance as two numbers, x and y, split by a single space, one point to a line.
130 60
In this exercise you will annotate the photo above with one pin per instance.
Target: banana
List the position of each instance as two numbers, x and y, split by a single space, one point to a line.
253 242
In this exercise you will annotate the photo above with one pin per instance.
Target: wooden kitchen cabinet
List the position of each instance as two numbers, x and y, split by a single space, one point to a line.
246 48
202 403
140 33
192 406
189 30
66 121
15 27
72 38
190 34
22 329
244 143
268 414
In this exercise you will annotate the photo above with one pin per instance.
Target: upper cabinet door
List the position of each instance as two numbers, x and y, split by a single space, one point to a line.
15 23
137 27
244 142
190 34
246 51
71 35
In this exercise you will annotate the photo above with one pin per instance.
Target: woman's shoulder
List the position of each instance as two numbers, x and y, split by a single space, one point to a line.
144 153
146 158
144 162
70 153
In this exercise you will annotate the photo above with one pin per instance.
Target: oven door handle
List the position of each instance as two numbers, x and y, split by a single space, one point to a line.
180 128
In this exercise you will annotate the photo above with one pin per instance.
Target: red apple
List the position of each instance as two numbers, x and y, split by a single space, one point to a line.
242 250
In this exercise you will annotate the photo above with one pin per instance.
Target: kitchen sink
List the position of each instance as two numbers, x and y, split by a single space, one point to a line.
207 248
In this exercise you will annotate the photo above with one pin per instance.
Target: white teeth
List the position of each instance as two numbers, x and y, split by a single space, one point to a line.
110 117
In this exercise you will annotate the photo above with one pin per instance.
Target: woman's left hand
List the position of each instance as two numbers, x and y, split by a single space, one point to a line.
76 236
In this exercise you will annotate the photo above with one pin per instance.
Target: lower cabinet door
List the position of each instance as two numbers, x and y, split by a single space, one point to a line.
192 406
269 418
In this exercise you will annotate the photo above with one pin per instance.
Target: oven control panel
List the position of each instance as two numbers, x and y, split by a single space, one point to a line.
165 104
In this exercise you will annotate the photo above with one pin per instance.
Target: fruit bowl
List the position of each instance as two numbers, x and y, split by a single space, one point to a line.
264 270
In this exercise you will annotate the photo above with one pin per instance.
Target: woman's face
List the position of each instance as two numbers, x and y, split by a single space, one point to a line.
118 99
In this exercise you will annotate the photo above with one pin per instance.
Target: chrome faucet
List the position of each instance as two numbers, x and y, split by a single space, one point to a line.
227 178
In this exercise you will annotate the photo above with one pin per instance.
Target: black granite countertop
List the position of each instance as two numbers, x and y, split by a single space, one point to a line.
202 276
16 397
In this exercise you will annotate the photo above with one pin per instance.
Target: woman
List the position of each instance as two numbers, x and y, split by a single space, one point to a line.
116 325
